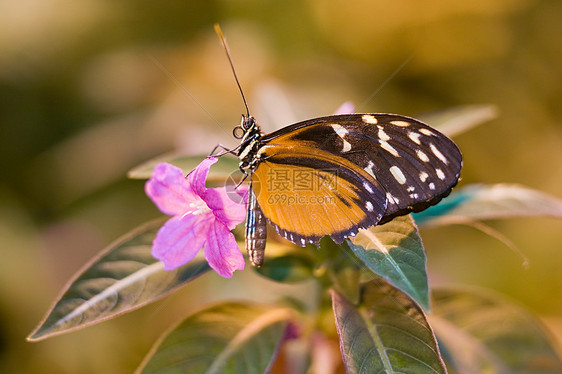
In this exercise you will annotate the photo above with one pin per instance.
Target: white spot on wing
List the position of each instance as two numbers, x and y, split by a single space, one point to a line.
303 242
397 174
440 174
391 199
414 195
411 188
369 206
432 186
342 132
368 187
423 176
383 135
371 120
369 169
422 156
387 147
400 123
426 132
437 153
415 137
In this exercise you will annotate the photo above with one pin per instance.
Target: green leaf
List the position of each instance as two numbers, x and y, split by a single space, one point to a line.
291 268
343 268
123 278
386 333
479 202
226 338
286 263
345 280
225 168
459 119
485 333
395 252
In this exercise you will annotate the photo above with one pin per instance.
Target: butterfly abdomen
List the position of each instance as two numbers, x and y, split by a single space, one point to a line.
256 231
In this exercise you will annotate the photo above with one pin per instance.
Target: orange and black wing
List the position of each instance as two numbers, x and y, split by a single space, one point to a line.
307 196
379 166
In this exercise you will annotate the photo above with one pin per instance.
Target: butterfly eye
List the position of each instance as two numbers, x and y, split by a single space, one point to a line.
238 132
248 123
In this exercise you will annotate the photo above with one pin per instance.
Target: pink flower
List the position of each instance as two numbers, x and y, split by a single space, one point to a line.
202 218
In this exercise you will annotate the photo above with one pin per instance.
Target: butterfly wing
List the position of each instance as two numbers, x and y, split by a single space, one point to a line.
306 195
385 165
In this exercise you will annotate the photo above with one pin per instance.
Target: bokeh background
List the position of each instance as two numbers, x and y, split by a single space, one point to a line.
89 90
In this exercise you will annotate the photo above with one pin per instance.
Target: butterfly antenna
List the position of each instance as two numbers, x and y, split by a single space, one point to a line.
229 56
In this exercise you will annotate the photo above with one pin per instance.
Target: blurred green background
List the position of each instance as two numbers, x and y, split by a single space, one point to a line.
83 100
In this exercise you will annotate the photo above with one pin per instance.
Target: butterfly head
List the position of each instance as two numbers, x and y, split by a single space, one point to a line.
246 128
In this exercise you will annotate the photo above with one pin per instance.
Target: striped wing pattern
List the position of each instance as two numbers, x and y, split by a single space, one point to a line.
316 197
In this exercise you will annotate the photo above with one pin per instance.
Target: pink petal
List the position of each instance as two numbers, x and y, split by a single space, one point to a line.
180 239
346 108
227 204
222 252
198 176
169 189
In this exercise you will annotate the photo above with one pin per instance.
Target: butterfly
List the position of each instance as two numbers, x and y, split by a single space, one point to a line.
337 174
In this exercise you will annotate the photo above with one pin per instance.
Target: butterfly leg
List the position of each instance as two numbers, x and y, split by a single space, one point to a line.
224 150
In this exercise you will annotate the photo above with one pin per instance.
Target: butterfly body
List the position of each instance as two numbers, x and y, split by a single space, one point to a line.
337 174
